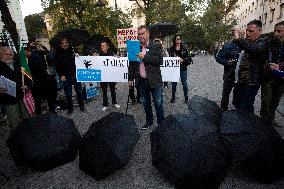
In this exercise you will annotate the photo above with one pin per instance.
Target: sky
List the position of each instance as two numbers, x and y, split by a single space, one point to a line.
30 7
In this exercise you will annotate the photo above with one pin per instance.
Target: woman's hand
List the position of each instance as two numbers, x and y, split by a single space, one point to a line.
63 78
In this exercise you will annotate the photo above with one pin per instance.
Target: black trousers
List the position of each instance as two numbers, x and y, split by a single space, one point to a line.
40 93
104 87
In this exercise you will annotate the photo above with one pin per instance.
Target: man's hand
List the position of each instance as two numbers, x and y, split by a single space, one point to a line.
24 87
3 90
140 55
231 62
274 66
181 60
131 83
239 33
77 55
63 78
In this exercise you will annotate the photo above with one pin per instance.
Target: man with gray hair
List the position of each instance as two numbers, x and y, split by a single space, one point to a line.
250 66
14 106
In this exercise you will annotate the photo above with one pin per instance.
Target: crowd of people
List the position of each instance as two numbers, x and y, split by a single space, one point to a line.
248 60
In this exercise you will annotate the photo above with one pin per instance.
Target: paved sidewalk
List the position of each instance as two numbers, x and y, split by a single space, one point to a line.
204 78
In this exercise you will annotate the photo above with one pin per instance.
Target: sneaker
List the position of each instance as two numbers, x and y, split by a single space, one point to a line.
104 108
146 126
116 105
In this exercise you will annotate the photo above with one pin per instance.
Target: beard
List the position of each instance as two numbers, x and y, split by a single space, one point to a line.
9 61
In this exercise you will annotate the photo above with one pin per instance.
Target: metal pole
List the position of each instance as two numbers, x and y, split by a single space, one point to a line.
115 4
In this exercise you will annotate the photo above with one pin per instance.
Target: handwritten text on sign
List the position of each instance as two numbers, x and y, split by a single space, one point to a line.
126 34
113 69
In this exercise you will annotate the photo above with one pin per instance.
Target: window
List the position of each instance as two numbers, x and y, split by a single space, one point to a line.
281 11
272 15
265 18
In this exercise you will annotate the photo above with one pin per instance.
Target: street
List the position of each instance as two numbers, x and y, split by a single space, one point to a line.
204 79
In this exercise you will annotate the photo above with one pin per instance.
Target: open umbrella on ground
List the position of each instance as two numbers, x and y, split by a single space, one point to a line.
205 108
108 144
75 36
44 142
188 151
257 148
92 45
162 29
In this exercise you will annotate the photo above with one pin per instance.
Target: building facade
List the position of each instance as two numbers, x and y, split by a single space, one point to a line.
17 16
269 12
126 6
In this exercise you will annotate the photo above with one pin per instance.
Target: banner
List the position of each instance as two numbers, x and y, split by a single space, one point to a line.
126 34
113 69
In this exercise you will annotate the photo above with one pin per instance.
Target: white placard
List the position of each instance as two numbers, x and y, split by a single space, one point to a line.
113 69
9 85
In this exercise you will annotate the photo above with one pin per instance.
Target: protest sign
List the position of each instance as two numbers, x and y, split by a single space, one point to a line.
8 85
113 69
126 34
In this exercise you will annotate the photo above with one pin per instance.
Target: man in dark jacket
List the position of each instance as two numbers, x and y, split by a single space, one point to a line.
150 78
10 69
273 87
228 57
66 69
249 68
43 87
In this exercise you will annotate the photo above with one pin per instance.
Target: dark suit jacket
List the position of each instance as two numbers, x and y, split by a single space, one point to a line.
152 61
16 76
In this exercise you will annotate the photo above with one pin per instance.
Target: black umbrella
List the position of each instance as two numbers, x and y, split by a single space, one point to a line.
188 151
75 36
162 29
44 142
92 45
256 148
108 144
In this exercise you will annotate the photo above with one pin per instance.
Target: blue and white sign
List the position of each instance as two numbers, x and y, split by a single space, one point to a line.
92 90
85 75
113 69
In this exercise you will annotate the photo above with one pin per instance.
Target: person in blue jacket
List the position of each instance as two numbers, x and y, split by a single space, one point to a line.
228 57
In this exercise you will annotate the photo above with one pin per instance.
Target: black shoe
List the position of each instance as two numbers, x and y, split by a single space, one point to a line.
173 100
70 112
82 109
186 99
139 101
147 126
133 102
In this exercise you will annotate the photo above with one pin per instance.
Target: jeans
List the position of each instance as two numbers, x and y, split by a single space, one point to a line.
67 84
183 78
244 97
104 86
157 96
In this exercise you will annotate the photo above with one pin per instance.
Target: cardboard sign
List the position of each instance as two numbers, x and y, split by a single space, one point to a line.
126 34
